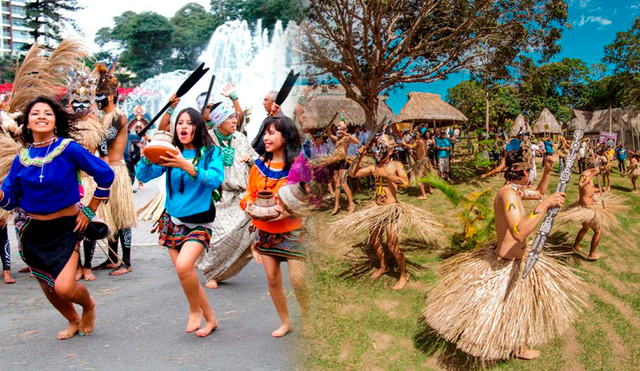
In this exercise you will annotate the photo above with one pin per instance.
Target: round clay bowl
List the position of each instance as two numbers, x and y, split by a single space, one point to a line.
294 198
159 145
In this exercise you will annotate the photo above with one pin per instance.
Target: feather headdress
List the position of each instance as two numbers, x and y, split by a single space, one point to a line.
107 83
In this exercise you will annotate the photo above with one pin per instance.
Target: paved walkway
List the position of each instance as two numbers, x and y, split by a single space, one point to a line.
141 320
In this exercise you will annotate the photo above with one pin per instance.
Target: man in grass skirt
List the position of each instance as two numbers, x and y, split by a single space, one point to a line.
482 305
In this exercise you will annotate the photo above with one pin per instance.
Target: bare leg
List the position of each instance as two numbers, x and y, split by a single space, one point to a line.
347 191
336 192
593 254
394 247
424 194
69 291
184 261
635 187
274 278
375 240
579 237
298 277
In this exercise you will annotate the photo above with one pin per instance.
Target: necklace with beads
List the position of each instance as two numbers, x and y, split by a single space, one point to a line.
50 141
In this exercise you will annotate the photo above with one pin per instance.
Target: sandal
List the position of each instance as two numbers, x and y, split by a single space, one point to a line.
121 270
107 264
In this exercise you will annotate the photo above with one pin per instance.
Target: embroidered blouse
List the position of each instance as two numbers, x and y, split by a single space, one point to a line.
58 187
272 177
196 193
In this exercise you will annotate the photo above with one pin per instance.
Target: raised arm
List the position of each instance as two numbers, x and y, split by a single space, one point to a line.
165 121
530 194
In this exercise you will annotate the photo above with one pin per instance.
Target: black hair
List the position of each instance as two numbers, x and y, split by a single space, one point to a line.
512 158
289 132
201 137
65 120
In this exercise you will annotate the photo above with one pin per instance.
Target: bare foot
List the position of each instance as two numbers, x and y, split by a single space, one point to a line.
575 249
79 274
212 284
635 191
88 319
352 207
207 329
335 211
379 272
121 270
281 331
24 270
402 281
527 354
88 274
422 198
69 332
106 265
7 277
195 319
593 257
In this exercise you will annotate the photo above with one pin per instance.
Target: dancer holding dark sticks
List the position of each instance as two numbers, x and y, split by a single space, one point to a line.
42 187
185 226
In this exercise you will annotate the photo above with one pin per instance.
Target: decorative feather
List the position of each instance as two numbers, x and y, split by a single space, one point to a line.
66 57
32 79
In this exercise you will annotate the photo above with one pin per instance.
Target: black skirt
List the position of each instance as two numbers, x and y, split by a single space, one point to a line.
46 246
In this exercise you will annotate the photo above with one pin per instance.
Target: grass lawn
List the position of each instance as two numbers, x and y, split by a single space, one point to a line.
361 324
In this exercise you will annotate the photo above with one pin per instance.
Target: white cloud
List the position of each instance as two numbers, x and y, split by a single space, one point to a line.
591 19
584 3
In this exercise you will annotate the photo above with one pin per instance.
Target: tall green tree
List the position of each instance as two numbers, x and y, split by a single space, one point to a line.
624 54
7 69
192 30
146 39
270 11
45 19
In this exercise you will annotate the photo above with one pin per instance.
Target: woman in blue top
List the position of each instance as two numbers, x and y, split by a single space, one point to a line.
192 176
42 187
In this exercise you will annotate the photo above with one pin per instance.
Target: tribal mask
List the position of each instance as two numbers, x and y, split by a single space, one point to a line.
107 83
81 86
102 100
383 148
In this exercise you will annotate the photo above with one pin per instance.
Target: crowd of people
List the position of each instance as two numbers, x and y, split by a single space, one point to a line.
226 200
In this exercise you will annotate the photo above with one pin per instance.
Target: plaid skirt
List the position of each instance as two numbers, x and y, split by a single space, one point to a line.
175 236
287 245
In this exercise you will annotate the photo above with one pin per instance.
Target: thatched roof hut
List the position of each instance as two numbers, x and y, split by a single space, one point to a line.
520 125
431 109
621 119
546 123
579 120
321 106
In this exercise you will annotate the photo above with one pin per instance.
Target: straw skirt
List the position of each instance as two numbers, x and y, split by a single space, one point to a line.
123 212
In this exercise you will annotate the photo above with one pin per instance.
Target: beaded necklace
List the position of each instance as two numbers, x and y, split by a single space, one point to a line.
228 152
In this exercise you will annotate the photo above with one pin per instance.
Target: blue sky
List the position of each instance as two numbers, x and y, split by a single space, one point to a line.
594 24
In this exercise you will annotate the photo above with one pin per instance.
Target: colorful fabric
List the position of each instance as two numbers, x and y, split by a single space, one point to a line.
43 185
228 152
46 246
175 236
284 245
444 143
444 164
271 177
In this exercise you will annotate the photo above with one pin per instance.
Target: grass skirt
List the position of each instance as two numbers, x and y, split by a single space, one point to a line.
400 215
152 210
104 211
634 171
420 170
123 212
482 306
594 216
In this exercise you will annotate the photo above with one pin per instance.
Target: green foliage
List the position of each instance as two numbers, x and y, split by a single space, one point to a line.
476 215
7 69
193 27
469 98
624 54
45 19
270 11
146 39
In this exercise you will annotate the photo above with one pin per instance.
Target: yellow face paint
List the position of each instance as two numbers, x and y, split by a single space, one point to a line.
515 228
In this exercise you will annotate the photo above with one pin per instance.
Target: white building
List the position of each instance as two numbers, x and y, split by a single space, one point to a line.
14 33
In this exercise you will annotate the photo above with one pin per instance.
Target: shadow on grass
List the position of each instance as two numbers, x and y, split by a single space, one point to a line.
427 341
364 259
621 188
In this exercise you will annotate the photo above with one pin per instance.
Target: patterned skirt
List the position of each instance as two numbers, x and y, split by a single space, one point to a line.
287 245
46 246
175 236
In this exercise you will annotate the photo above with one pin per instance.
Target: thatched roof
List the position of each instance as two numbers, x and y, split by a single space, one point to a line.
546 123
321 106
426 107
579 120
520 124
621 118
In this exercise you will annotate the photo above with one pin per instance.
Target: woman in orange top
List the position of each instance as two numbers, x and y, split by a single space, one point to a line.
281 238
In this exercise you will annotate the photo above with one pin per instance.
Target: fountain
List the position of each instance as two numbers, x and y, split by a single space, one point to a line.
253 62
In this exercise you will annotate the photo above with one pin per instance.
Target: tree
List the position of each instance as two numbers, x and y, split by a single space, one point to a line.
624 54
371 47
146 40
560 87
45 19
7 69
270 11
470 98
193 27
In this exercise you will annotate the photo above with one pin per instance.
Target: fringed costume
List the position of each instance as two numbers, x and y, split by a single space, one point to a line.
420 170
595 216
634 169
231 238
482 305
